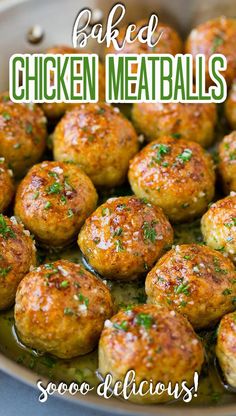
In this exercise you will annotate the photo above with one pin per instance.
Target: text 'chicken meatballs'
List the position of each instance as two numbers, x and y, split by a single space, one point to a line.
22 134
193 122
99 139
6 185
61 308
124 237
218 226
53 201
177 175
17 256
196 280
157 343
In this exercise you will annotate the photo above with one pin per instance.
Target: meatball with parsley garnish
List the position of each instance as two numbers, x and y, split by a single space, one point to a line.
124 237
218 226
99 139
227 162
61 308
215 36
54 111
157 343
230 106
17 256
53 201
6 185
176 175
225 347
195 280
195 122
22 134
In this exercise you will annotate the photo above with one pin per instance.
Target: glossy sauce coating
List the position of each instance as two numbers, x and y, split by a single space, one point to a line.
124 237
53 201
177 175
60 308
215 36
226 347
193 122
53 111
6 185
195 280
22 134
17 256
99 139
218 226
230 106
157 343
227 162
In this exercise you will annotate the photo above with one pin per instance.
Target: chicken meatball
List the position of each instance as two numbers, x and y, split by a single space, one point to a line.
53 111
158 344
176 175
6 185
61 308
22 134
53 201
169 42
218 226
230 106
196 280
124 237
215 36
227 162
225 348
17 256
99 139
193 122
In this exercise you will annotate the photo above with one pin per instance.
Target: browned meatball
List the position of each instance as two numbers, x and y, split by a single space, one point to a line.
230 106
17 256
193 122
53 201
99 139
227 162
215 36
124 237
158 344
61 308
175 174
169 42
225 348
22 134
219 226
53 111
195 280
6 185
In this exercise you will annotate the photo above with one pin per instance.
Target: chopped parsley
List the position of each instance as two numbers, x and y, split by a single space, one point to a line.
217 41
227 292
47 205
70 213
105 211
5 231
6 116
36 195
28 128
4 271
55 188
162 150
144 319
68 311
123 326
149 232
118 232
182 288
185 156
119 246
64 284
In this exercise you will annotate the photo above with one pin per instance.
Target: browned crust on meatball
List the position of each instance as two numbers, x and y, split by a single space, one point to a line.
193 122
230 106
22 134
155 342
195 280
17 255
227 162
53 201
60 308
226 347
124 237
99 139
7 187
177 175
215 36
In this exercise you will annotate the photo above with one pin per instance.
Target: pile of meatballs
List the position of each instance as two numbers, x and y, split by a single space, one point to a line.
64 309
